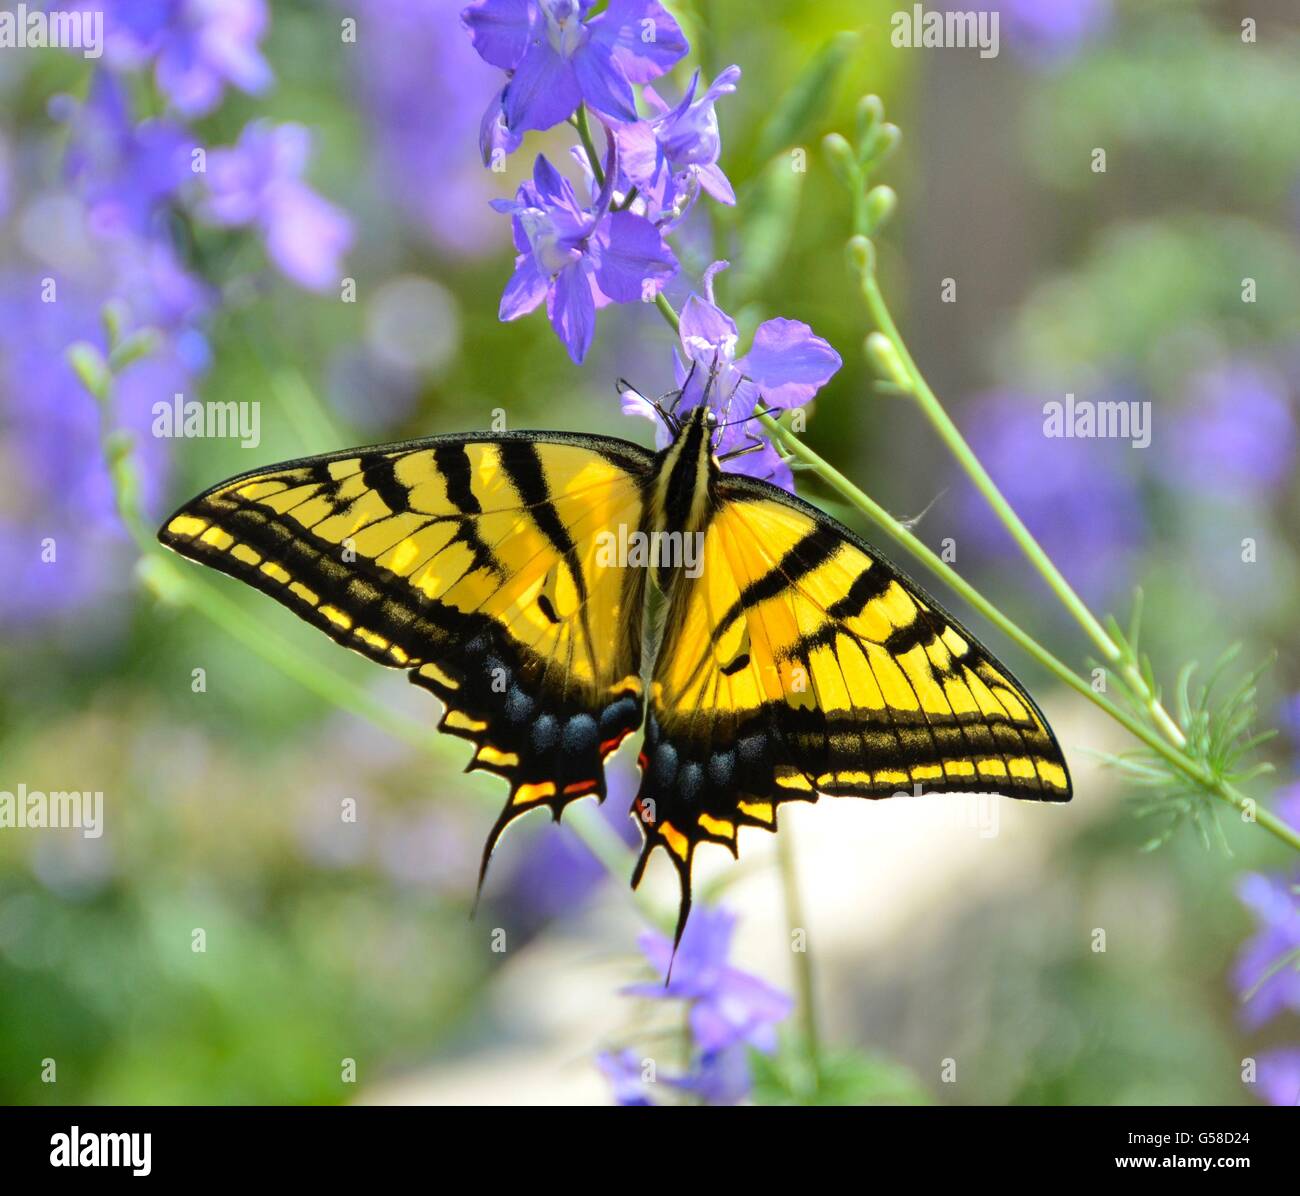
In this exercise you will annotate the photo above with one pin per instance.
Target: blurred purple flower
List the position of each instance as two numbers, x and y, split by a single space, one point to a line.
57 483
6 179
558 873
1272 988
624 1071
785 367
718 1077
197 47
1289 718
125 172
558 59
421 86
728 1006
1277 1077
1236 435
576 259
667 156
257 182
1077 496
1048 32
1286 805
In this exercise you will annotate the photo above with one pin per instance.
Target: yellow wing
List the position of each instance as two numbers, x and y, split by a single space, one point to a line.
801 662
474 563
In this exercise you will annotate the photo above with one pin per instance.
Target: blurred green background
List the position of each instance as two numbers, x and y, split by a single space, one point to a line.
932 941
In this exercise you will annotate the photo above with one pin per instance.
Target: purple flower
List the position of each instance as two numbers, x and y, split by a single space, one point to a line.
728 1006
718 1077
786 365
421 86
671 155
1236 436
1287 805
197 46
624 1071
1271 988
59 488
558 59
1078 496
578 259
123 171
557 873
257 182
1277 1076
1047 32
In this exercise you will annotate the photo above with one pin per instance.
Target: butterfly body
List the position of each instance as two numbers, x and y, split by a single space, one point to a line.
794 660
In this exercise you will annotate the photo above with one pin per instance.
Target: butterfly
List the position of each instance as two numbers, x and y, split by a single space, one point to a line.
510 574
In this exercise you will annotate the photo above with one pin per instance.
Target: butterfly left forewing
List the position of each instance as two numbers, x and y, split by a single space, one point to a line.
471 562
801 662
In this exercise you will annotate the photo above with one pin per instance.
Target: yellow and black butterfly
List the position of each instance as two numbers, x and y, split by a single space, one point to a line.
794 660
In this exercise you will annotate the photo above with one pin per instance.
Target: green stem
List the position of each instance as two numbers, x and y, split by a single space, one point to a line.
803 969
583 125
666 310
901 535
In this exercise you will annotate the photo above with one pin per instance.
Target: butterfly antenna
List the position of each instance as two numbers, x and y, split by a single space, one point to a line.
623 386
711 379
746 418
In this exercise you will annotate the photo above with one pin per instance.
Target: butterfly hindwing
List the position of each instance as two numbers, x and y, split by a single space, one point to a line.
473 563
801 662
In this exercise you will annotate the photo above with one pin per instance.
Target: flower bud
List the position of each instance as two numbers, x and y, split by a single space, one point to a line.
880 204
843 160
862 255
881 143
871 112
884 357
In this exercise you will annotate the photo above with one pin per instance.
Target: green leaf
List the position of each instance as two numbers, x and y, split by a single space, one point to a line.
806 101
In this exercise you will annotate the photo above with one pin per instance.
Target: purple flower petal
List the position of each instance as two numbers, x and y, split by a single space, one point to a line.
555 191
646 41
543 92
524 292
573 311
765 464
716 184
632 402
789 363
631 253
499 30
493 134
707 330
624 1071
602 83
